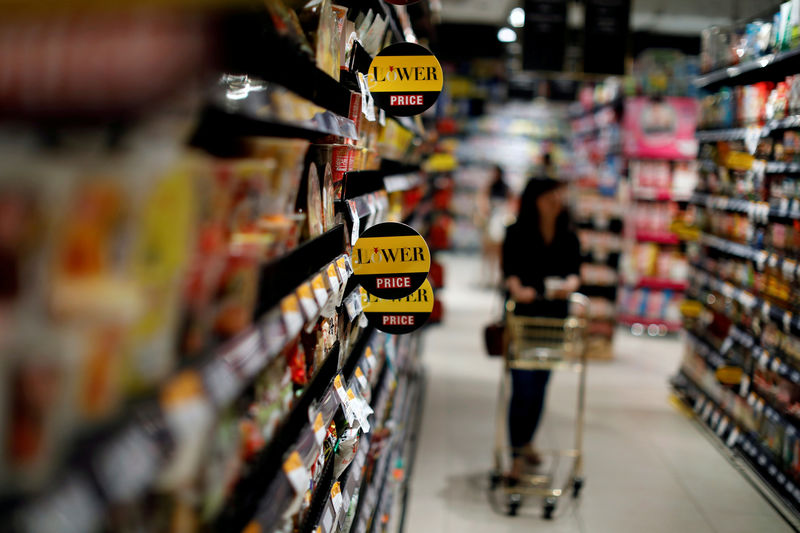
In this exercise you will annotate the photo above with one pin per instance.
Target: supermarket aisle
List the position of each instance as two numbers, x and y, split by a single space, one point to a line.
647 467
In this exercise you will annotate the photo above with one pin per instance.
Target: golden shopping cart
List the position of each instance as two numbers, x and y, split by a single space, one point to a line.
543 343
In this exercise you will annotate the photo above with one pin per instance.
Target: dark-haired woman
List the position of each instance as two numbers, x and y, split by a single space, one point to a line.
541 266
493 212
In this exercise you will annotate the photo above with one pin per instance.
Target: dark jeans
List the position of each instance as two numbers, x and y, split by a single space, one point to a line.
528 388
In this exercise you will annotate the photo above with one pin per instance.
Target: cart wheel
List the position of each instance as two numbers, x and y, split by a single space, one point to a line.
494 479
549 508
514 501
577 485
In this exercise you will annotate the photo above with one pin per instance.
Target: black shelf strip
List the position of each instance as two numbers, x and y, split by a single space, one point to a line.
609 292
360 182
250 44
610 260
220 132
253 486
319 498
390 167
614 225
282 276
769 67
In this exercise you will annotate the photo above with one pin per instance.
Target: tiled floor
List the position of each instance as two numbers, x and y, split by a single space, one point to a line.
648 468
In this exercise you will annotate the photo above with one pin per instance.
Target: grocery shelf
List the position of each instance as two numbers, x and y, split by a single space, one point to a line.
744 449
264 470
658 237
615 103
631 320
658 284
775 65
611 225
782 167
609 292
281 276
738 134
715 360
761 258
610 259
759 211
661 195
787 369
780 317
713 135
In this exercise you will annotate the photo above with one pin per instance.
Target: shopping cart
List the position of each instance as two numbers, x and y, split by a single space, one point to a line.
543 343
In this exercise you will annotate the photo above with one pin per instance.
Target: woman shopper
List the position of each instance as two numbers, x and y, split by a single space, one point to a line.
541 267
493 212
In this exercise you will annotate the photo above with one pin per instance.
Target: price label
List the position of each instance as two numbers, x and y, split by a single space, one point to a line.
341 264
362 379
338 386
292 317
367 101
321 294
707 411
744 386
306 296
336 499
723 425
370 357
355 229
333 278
319 429
296 473
733 438
715 419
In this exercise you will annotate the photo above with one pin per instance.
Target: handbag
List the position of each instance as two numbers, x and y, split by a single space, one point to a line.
493 337
495 332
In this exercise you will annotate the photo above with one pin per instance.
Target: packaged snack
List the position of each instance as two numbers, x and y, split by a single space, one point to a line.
346 451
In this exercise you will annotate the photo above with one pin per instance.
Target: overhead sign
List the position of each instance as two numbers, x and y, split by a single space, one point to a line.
405 79
401 315
391 260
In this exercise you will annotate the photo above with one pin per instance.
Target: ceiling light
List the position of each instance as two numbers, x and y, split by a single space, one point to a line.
506 35
517 17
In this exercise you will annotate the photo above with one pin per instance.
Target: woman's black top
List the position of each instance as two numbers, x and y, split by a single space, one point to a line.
526 256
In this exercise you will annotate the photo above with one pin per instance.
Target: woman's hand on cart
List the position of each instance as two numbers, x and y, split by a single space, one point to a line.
569 285
519 292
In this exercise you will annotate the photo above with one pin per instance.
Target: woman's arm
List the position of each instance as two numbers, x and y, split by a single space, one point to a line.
512 268
520 293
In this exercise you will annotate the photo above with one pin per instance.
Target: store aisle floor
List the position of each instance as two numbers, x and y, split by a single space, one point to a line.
648 468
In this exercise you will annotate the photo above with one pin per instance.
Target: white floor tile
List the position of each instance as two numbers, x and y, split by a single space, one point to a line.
647 467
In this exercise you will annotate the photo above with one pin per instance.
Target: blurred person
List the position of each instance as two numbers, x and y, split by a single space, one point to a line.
541 266
493 212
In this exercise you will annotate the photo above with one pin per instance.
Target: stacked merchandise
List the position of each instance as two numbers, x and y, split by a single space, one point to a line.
596 198
184 344
660 150
752 47
741 370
